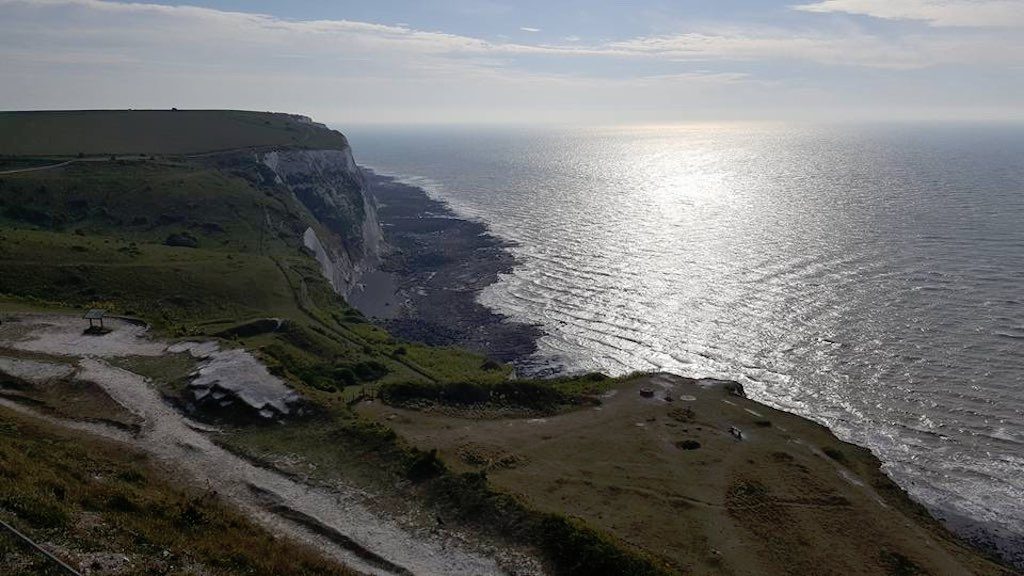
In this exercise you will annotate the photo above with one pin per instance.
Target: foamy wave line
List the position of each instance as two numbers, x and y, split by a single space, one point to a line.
436 191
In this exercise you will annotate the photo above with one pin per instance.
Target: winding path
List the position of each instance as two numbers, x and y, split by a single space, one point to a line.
336 521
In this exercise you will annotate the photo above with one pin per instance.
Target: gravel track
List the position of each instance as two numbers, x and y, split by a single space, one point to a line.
335 521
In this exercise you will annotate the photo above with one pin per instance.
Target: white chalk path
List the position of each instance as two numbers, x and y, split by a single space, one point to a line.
334 521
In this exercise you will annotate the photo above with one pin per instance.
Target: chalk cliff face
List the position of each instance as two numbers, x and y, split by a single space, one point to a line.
331 186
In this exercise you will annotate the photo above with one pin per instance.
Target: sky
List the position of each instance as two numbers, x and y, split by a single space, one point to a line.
523 62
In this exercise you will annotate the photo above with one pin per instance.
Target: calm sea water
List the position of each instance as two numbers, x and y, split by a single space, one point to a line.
871 279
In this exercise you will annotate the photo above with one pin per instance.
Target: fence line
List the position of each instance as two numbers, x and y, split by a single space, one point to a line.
40 549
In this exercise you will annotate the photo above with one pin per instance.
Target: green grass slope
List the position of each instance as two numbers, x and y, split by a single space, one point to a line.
113 511
101 234
134 132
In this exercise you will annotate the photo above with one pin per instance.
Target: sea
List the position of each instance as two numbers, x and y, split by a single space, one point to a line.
867 277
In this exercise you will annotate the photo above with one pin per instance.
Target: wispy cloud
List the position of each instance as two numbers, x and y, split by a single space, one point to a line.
108 27
850 50
93 53
940 13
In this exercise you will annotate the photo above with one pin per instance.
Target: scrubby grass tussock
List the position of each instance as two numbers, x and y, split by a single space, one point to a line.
89 500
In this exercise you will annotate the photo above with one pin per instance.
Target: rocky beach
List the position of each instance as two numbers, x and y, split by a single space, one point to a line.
434 265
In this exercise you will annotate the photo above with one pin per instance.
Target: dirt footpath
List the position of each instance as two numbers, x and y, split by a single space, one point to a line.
337 521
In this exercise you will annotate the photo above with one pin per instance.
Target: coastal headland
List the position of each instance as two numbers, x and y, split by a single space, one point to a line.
405 446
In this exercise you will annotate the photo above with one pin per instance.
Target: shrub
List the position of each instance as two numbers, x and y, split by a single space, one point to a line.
834 454
521 393
464 393
424 465
370 370
530 394
183 240
577 550
343 376
403 392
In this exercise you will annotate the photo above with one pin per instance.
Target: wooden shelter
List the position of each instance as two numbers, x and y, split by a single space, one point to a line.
94 315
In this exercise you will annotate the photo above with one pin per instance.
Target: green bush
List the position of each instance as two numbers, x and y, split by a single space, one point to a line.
424 465
520 393
834 453
183 240
575 549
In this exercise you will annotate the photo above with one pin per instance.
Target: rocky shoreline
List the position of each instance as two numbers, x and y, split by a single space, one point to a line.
433 268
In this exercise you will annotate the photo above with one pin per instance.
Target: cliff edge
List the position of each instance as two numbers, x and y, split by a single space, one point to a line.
330 185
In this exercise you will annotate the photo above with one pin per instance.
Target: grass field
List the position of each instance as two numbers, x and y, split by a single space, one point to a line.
145 201
371 455
160 132
669 479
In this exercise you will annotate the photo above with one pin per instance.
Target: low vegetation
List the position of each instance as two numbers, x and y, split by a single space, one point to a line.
107 509
98 235
147 132
536 395
373 454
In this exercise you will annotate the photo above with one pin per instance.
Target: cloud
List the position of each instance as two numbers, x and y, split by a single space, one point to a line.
528 29
107 28
939 13
851 50
95 53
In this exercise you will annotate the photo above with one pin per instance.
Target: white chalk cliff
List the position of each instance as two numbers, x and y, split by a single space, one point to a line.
330 185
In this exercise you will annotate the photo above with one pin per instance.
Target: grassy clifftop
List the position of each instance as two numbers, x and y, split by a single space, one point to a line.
101 132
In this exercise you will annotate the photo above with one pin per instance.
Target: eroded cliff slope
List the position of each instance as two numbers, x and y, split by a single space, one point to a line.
329 184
